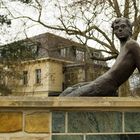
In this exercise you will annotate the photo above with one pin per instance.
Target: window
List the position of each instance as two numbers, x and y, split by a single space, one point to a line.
25 77
71 78
2 79
63 52
38 76
80 55
35 48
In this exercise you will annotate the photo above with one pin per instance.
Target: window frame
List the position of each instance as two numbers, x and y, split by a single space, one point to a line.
37 76
80 55
25 77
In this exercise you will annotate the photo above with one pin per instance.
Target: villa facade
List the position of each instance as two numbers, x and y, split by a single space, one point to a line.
59 63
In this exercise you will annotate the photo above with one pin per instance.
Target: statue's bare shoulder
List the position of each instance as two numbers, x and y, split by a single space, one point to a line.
132 44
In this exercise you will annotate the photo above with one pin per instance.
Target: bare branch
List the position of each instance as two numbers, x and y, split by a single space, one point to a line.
104 58
117 9
114 4
39 9
106 37
136 9
126 8
109 52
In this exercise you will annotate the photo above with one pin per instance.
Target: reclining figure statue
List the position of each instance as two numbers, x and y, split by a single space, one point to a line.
127 61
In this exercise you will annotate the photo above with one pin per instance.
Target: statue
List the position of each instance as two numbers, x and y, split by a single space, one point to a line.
127 61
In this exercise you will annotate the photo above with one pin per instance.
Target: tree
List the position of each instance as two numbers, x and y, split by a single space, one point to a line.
11 56
94 16
86 19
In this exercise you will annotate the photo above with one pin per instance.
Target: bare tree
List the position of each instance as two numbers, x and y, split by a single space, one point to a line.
87 20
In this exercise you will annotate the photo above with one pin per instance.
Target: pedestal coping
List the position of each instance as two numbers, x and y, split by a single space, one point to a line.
74 103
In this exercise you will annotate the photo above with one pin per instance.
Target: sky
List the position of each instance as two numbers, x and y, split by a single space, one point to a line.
17 29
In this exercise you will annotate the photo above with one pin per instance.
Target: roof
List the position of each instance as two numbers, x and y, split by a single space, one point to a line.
55 40
49 44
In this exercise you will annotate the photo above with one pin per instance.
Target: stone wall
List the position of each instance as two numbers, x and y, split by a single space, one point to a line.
103 118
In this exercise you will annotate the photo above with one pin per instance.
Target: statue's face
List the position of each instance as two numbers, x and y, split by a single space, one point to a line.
122 30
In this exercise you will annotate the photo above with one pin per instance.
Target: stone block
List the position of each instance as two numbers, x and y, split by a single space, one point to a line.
10 121
37 122
114 137
67 137
103 137
94 122
58 122
30 138
2 138
132 121
130 137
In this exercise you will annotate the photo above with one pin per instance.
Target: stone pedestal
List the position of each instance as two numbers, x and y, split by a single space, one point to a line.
55 118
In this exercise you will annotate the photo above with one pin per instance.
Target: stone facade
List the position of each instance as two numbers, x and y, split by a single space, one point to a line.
51 78
103 118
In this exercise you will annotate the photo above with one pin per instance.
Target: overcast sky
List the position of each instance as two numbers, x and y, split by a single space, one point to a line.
17 29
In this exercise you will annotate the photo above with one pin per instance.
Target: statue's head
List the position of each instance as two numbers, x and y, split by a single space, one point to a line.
122 28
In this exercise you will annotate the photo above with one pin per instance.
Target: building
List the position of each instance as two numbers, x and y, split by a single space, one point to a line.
58 64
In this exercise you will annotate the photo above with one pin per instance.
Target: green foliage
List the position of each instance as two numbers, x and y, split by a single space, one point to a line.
12 54
19 51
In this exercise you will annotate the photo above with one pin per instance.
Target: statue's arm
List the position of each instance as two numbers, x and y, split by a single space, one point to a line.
133 48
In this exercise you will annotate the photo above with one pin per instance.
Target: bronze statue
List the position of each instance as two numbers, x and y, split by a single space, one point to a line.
127 61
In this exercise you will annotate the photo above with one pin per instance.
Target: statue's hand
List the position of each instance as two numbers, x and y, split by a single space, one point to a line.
72 89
